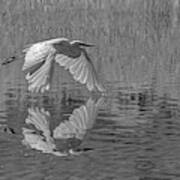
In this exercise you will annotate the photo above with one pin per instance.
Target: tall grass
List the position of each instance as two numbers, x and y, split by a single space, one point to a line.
137 41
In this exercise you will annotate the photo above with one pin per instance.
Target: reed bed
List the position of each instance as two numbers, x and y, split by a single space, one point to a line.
136 41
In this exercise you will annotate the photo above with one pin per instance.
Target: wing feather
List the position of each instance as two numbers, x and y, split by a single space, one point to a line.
36 54
62 59
90 82
70 63
39 80
81 69
81 73
78 70
40 53
85 75
74 68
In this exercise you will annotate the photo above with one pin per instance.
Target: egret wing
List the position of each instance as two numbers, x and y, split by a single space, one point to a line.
38 61
37 53
82 70
40 79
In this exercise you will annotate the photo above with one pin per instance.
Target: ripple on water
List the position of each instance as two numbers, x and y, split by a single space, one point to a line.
135 136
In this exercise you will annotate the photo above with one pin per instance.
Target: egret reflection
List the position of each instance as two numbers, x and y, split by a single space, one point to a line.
38 136
79 122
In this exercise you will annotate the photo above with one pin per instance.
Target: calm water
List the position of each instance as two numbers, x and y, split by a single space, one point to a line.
130 135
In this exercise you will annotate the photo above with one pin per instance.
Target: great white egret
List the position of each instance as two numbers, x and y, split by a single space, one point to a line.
71 55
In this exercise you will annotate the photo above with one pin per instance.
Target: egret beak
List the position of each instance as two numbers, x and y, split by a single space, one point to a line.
86 45
81 43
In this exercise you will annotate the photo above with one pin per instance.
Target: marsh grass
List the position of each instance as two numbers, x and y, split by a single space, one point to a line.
136 41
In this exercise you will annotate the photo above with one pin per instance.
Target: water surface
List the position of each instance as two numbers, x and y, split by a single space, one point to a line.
134 135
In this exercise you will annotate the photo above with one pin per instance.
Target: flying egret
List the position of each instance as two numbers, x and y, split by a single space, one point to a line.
71 55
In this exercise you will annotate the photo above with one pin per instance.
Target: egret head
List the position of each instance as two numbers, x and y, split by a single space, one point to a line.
81 43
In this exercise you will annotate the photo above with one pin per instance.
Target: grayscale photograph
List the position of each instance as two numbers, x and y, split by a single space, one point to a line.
89 89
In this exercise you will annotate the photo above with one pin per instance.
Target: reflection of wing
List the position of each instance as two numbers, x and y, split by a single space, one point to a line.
44 142
81 119
36 141
39 118
81 69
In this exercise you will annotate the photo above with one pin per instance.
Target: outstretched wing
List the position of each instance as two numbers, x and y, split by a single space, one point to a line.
36 53
38 61
82 70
